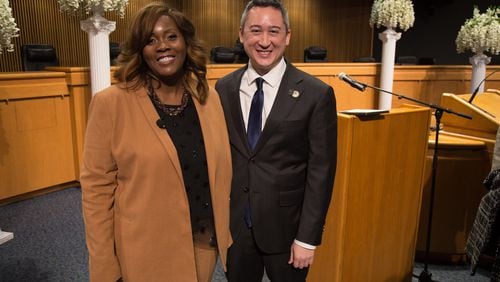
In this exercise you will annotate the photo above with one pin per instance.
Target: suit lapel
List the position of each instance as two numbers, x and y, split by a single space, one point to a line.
239 136
151 117
289 93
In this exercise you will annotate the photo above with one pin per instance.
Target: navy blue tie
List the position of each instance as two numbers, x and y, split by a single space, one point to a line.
254 126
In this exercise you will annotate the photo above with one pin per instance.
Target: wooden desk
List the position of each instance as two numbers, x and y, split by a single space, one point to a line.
464 160
36 141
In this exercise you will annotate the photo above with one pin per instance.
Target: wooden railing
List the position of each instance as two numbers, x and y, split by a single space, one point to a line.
43 114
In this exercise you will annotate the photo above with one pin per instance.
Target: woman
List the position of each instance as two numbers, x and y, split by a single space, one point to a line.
156 167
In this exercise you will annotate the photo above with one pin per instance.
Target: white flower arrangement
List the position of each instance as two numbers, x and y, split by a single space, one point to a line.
481 32
392 14
71 6
8 27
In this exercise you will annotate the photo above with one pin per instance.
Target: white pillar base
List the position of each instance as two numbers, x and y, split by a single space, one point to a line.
479 62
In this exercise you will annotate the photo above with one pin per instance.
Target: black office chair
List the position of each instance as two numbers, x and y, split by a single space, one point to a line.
426 61
239 51
364 60
315 54
222 55
114 51
407 60
36 57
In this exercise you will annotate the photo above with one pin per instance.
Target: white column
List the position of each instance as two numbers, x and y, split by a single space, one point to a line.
98 29
388 38
479 62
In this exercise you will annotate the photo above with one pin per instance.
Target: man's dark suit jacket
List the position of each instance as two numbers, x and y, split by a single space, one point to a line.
288 177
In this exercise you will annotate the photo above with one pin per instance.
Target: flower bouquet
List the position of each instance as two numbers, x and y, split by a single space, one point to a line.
8 27
480 33
71 6
392 14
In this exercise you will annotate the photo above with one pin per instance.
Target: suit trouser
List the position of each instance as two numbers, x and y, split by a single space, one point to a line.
246 262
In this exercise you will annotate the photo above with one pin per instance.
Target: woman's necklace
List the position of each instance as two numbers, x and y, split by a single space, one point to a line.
168 109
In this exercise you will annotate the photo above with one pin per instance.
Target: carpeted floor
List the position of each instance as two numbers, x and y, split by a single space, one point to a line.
49 243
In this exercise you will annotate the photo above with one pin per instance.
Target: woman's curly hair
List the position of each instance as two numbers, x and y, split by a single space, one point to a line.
133 70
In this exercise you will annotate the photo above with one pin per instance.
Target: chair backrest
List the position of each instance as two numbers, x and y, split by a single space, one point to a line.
407 60
427 61
114 51
222 55
38 56
239 51
363 60
315 54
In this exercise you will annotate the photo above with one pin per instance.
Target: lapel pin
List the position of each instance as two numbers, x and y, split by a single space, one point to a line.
295 94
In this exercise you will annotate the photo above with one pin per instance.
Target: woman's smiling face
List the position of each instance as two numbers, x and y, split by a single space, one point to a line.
166 50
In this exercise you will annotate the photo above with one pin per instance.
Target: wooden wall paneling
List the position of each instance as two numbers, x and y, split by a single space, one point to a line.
216 22
341 26
41 22
120 33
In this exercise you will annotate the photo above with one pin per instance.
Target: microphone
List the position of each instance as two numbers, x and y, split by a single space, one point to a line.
353 83
161 123
479 86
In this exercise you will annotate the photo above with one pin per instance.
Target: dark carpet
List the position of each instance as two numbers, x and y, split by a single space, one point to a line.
49 240
49 243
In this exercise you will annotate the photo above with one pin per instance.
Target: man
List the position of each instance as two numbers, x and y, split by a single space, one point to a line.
283 144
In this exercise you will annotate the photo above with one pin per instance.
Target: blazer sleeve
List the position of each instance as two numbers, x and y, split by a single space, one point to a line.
322 135
98 182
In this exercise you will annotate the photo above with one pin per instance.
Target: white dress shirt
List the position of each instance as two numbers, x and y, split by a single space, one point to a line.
248 87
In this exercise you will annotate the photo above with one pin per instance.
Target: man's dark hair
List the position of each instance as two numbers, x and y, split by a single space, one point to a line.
266 3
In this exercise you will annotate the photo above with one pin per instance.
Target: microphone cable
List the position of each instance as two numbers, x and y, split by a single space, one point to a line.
479 85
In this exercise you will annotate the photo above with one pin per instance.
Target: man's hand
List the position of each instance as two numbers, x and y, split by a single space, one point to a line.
300 257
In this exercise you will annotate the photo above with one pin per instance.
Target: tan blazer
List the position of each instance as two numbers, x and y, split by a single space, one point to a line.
135 207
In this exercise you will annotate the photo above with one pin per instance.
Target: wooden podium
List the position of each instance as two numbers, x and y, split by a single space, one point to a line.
464 160
485 112
371 227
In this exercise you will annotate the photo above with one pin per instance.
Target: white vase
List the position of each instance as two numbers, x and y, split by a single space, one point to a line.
98 29
388 38
479 62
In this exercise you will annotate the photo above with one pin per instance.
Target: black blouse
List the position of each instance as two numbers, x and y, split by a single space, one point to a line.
185 131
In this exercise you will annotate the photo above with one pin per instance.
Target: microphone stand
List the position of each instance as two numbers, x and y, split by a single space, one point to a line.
425 275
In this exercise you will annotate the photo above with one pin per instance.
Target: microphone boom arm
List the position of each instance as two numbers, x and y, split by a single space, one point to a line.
433 106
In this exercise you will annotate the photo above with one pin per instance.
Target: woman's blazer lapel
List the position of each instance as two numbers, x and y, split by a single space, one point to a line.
152 117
